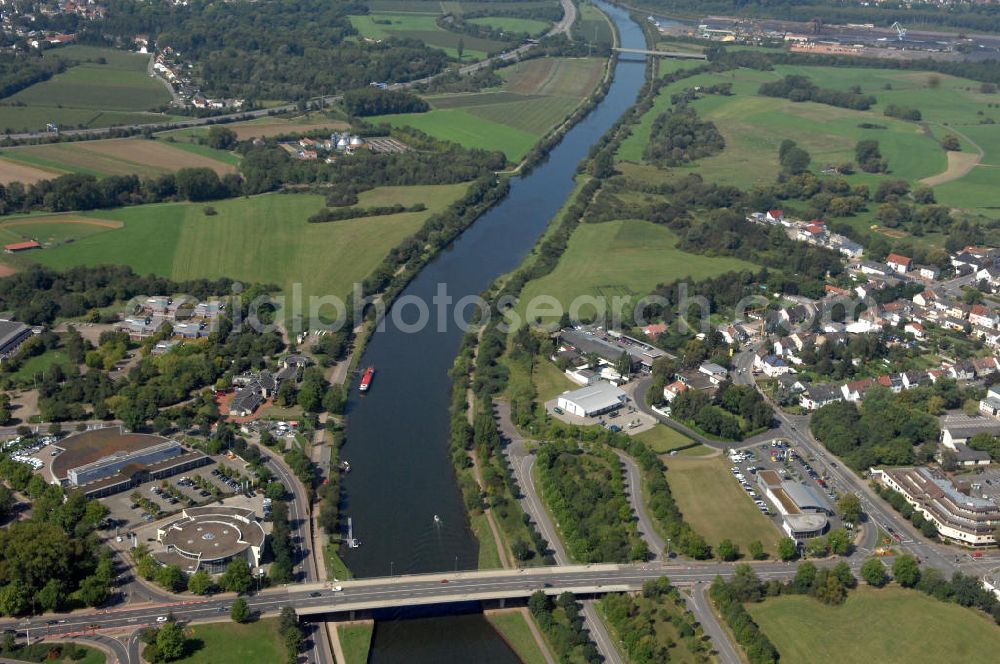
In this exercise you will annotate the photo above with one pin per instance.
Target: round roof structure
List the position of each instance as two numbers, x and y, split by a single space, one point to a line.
206 534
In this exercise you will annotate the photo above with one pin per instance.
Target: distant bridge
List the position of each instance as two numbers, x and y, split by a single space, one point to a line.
680 55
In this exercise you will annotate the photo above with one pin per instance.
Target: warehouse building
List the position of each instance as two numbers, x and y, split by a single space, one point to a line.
803 511
593 400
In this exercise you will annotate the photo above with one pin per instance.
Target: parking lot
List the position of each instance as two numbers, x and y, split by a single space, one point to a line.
777 455
193 487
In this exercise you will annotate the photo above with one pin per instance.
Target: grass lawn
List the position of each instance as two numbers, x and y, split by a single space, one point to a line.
264 239
356 640
89 94
535 97
49 229
335 566
662 439
512 24
41 363
489 557
716 506
592 26
887 625
550 381
626 259
234 643
513 627
697 451
379 25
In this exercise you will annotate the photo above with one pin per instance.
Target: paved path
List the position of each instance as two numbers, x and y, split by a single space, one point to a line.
633 490
698 603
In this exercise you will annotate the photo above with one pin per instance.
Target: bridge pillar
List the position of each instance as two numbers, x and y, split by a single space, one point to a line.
352 615
503 602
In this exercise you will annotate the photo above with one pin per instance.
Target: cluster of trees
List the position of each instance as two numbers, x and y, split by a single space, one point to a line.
679 137
986 442
79 191
563 625
373 101
792 158
869 157
902 112
291 633
340 214
801 88
19 71
166 644
828 585
898 502
283 565
52 560
729 597
586 492
639 622
884 430
732 413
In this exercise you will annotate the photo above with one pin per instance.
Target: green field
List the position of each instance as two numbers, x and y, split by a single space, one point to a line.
550 381
264 239
89 94
513 627
535 97
715 504
489 557
512 24
890 625
356 640
620 258
423 27
754 127
234 643
662 439
592 26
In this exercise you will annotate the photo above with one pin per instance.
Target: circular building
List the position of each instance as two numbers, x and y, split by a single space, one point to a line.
209 538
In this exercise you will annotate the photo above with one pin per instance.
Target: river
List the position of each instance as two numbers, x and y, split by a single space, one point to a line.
398 433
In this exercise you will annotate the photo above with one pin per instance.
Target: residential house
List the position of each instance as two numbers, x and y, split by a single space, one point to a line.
991 275
868 267
985 366
925 298
673 390
899 263
962 370
717 374
990 404
928 272
982 316
775 216
817 396
654 330
916 329
912 379
771 366
855 390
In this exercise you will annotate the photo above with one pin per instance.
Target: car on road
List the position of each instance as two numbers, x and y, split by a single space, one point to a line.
444 580
337 589
161 619
315 594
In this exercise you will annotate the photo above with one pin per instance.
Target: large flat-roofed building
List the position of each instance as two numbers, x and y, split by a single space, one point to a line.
12 335
957 514
108 460
593 400
609 346
803 511
209 538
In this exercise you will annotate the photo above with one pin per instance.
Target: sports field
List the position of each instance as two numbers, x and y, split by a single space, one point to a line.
624 259
108 87
535 97
264 239
890 626
716 506
115 156
754 127
53 228
423 27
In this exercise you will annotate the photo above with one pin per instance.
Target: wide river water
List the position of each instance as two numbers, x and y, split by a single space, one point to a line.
398 433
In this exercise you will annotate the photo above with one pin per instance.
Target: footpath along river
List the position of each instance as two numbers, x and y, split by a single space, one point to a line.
398 432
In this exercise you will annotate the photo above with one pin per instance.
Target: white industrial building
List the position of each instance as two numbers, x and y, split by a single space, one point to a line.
803 511
593 400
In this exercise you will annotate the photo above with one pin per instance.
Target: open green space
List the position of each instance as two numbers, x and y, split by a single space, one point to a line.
489 557
550 381
890 625
512 24
535 97
513 627
716 506
40 364
356 640
626 259
662 439
265 239
235 643
108 87
592 25
423 27
754 126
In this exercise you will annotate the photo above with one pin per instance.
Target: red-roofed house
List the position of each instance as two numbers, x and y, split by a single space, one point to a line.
916 329
982 316
654 330
898 263
21 246
673 390
775 216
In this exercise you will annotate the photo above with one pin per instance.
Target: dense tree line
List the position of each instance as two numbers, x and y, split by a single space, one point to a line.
40 294
962 589
800 88
562 623
884 430
679 137
283 565
902 112
270 49
898 502
729 597
19 71
373 101
327 215
586 492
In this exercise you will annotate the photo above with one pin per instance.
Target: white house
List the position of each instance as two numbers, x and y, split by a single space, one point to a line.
899 263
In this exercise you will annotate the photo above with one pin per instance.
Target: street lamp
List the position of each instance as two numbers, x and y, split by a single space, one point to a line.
390 568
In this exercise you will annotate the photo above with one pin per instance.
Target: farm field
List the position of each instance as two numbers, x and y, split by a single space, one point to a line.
12 171
535 97
924 630
90 94
512 24
234 643
715 504
754 127
379 25
116 156
264 127
264 239
621 258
